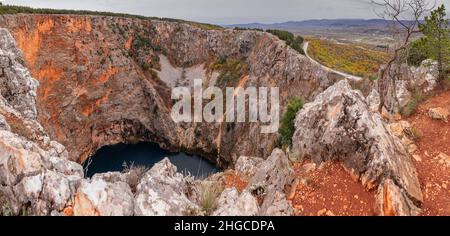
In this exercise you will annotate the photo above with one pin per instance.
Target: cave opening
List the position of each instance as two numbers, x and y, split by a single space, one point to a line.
120 157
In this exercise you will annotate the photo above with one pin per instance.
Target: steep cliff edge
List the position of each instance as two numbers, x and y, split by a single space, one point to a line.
36 177
106 80
92 93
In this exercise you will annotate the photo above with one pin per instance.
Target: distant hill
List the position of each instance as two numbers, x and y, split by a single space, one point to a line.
318 24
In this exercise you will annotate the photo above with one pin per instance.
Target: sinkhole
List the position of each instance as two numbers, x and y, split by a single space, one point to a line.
122 156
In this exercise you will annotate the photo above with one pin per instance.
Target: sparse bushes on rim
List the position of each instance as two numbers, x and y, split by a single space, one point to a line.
287 126
11 9
134 174
291 40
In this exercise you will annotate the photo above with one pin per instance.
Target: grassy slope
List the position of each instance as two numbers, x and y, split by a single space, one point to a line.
351 59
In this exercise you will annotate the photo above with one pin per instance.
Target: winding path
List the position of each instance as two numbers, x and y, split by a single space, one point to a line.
348 76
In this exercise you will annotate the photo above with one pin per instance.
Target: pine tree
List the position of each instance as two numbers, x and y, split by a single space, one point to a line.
436 40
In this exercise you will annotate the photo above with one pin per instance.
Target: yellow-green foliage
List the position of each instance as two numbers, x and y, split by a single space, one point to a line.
351 59
231 70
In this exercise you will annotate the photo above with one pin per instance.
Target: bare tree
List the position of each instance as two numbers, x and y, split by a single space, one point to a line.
404 17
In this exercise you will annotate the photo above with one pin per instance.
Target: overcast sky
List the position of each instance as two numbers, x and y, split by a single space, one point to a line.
223 11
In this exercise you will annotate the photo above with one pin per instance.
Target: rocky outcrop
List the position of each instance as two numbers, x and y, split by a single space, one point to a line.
232 204
410 82
269 183
16 84
105 80
98 197
163 191
339 126
35 176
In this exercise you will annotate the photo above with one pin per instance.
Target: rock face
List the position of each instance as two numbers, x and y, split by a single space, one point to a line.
270 181
232 204
16 84
35 176
163 191
105 80
100 198
339 126
410 81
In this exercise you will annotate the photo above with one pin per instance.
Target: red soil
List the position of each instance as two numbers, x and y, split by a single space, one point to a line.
331 191
434 139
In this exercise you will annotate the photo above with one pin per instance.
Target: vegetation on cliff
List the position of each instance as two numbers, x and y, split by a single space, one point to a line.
291 40
287 127
231 70
435 43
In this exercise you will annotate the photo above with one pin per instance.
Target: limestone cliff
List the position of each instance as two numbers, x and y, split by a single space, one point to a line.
105 80
37 177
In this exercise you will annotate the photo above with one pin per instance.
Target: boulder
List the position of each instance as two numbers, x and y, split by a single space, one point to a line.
247 166
58 189
269 182
373 100
405 133
231 203
100 198
162 192
444 159
339 126
439 113
391 200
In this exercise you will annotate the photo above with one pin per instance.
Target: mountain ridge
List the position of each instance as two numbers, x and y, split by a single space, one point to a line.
317 23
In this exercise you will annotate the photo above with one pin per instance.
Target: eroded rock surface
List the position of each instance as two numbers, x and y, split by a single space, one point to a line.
100 198
105 80
339 126
231 203
410 82
162 191
36 177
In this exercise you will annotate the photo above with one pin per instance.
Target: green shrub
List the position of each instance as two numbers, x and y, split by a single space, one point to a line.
417 53
287 127
231 70
291 40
